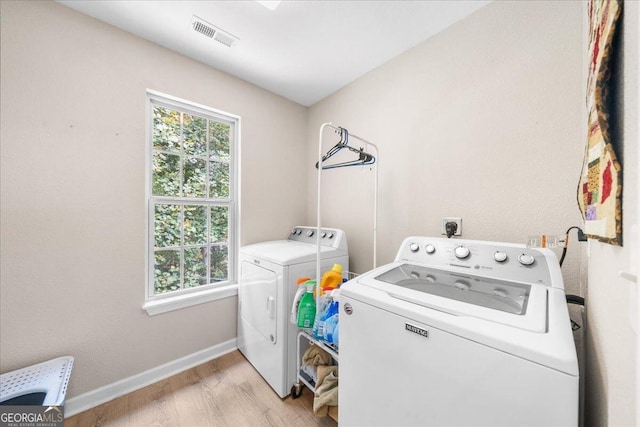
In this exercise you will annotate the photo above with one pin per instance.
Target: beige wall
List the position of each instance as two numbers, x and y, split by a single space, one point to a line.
482 121
73 192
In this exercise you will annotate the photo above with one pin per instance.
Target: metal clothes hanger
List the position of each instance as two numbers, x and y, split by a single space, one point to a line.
363 159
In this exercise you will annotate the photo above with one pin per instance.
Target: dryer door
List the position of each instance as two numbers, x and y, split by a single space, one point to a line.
259 290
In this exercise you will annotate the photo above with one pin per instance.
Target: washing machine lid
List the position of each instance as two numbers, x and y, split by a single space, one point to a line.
288 252
511 303
509 297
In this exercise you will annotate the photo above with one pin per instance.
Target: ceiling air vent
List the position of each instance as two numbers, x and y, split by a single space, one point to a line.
213 32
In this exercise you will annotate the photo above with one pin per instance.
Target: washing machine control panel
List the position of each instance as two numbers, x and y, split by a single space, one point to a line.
506 261
330 237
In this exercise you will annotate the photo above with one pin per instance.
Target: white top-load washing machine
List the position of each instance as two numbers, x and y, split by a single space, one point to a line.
458 333
267 286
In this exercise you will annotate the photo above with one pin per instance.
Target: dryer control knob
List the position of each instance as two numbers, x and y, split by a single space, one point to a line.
310 233
323 234
500 256
462 252
414 247
330 235
526 259
430 249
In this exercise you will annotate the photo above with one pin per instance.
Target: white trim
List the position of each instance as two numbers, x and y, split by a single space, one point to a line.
203 109
183 300
111 391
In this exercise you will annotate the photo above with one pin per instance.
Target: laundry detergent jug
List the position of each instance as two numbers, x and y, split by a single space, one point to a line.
307 308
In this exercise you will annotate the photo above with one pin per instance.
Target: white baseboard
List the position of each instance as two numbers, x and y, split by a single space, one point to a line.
109 392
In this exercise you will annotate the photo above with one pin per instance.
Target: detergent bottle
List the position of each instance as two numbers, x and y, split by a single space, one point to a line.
331 279
307 307
331 329
322 305
330 326
331 311
296 299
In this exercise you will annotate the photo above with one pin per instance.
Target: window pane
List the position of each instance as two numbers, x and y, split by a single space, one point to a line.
192 196
195 224
219 261
219 180
166 174
166 275
194 135
219 140
167 225
219 224
195 267
195 177
166 129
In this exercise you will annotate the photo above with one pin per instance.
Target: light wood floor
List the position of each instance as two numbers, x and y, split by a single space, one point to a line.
223 392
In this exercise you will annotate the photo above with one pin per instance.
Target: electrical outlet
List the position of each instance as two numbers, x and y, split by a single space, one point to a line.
457 221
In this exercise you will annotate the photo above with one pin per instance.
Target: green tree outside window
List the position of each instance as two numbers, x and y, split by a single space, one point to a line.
191 188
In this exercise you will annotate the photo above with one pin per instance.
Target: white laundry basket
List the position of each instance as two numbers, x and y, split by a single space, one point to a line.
42 384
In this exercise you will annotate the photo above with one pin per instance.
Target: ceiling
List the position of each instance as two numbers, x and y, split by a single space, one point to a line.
303 50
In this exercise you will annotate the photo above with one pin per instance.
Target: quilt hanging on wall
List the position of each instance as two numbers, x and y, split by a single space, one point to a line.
600 187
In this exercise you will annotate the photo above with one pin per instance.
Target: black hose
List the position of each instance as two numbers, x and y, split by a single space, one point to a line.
575 299
581 238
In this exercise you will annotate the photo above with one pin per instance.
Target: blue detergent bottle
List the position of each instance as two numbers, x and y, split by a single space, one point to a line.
331 328
331 310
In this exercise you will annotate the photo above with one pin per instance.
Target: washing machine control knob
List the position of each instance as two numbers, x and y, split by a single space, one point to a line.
414 247
323 234
461 252
310 233
500 256
526 259
330 235
430 248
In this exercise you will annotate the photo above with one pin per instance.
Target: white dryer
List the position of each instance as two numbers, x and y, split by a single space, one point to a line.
458 333
267 286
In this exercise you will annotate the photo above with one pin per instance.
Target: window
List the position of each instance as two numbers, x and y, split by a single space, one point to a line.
192 197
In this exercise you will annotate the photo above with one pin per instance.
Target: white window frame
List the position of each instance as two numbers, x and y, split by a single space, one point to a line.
160 303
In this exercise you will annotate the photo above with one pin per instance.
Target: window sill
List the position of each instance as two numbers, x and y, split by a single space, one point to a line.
178 302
